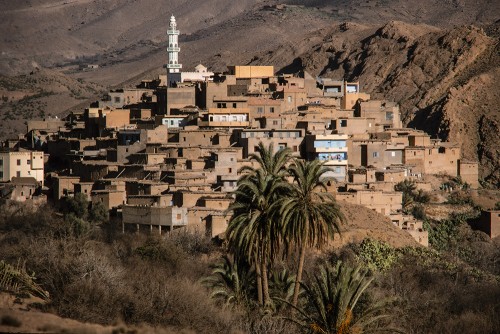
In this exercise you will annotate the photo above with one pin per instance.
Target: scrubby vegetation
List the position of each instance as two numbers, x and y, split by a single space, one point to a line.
263 278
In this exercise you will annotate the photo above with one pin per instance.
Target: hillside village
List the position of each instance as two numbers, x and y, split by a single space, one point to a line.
167 153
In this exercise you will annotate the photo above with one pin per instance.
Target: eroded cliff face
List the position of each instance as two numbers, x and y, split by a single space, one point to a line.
446 81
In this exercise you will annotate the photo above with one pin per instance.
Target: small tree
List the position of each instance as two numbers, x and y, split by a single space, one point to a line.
77 205
98 213
230 282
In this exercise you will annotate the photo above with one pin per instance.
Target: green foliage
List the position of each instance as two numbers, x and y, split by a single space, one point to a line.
332 302
443 233
77 205
253 231
230 282
422 196
377 255
310 216
418 212
98 213
410 194
17 280
281 285
77 226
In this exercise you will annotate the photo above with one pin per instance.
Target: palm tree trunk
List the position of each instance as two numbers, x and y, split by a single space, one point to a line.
299 275
259 280
265 283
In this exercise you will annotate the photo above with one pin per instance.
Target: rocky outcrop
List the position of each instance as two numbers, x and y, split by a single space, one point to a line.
446 81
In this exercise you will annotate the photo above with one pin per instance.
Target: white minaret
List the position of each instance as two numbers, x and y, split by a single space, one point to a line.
173 49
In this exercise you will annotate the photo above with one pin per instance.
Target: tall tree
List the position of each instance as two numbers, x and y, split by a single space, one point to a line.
310 215
253 231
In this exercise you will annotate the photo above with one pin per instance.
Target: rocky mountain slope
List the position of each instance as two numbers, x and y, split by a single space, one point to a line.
445 80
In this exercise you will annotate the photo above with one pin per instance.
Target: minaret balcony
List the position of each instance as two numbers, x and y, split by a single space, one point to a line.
173 49
174 65
172 32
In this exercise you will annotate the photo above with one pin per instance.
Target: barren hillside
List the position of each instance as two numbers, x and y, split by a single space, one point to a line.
444 79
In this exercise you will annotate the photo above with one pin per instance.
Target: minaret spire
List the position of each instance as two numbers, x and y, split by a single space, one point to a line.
173 49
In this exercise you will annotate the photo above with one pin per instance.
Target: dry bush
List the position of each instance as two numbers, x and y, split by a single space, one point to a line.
433 296
134 278
267 325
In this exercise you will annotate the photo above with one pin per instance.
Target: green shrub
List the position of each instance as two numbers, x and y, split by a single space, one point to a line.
377 255
418 212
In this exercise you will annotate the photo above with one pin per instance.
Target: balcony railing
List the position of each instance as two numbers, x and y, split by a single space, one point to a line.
225 123
330 149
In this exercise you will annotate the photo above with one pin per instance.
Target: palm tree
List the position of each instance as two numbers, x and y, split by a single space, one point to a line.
252 232
407 187
331 300
230 281
273 163
281 285
310 216
17 279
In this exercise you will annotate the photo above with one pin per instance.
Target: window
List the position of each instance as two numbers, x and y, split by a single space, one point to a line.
19 162
1 175
375 154
234 105
295 148
389 116
117 99
275 122
289 98
271 109
28 162
230 170
260 110
179 216
18 174
343 123
1 162
171 122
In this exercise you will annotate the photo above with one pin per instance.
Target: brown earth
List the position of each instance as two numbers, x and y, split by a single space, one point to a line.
363 223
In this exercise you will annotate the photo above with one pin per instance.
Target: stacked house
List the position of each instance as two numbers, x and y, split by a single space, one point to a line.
167 153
